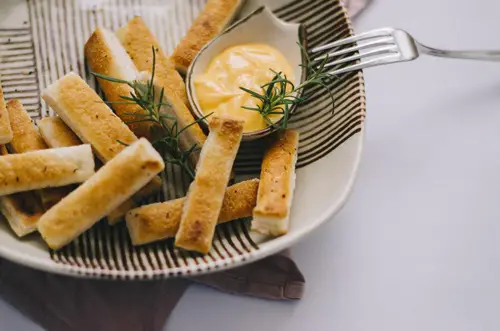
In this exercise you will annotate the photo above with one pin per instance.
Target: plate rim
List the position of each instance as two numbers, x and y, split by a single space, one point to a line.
264 250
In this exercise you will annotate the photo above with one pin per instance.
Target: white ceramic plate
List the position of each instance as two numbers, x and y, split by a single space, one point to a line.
41 40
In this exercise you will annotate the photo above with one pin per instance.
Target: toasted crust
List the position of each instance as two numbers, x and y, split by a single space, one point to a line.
138 40
161 220
277 180
5 129
45 168
83 111
87 115
57 134
106 56
22 211
154 222
25 135
206 192
118 214
214 18
113 184
239 200
27 138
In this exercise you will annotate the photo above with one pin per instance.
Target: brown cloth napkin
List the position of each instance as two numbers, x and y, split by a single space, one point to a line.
59 303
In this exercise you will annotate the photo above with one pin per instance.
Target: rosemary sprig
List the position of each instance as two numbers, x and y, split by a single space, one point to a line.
278 96
165 129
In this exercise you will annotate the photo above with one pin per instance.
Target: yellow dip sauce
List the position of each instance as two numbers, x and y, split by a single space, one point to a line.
218 89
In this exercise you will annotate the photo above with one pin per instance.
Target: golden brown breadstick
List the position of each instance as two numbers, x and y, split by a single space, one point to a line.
56 133
215 17
138 40
118 214
161 220
45 168
112 185
106 56
83 111
5 130
206 193
147 191
271 216
193 135
88 116
27 138
25 135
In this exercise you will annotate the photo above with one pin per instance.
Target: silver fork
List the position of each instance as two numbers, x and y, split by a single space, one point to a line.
385 46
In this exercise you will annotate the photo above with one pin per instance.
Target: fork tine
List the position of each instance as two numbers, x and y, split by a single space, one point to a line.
366 35
368 63
378 42
378 51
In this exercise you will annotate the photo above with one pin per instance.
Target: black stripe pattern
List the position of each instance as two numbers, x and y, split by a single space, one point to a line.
322 127
17 68
53 45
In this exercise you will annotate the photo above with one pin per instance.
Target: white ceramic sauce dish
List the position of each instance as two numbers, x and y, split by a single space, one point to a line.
259 27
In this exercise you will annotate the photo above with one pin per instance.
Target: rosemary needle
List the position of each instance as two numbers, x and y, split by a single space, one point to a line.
165 131
278 96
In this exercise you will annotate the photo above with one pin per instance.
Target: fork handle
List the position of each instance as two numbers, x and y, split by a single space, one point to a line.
468 55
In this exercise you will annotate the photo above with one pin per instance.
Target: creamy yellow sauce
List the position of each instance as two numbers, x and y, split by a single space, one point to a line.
218 89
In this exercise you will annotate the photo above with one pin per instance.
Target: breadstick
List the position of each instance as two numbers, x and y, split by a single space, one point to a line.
215 17
88 117
5 130
106 56
26 137
138 40
206 193
193 135
57 134
161 220
92 121
21 210
112 185
271 216
118 214
45 168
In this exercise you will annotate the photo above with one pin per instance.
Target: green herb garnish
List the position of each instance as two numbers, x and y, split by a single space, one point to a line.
280 94
165 130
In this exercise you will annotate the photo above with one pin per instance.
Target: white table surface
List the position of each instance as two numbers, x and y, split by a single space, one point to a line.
418 245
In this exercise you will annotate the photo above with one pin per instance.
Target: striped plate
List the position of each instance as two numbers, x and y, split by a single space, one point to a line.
41 40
